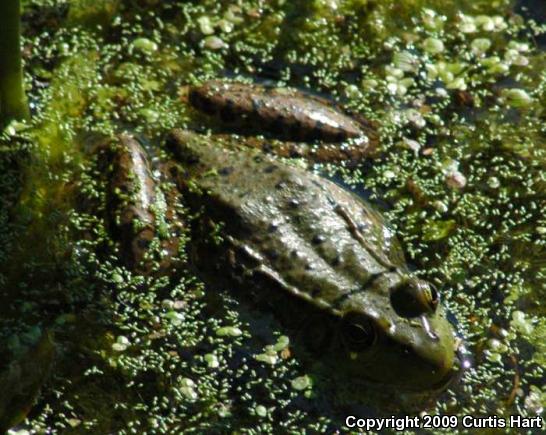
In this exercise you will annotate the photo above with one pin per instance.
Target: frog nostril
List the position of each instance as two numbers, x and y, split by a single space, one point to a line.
434 297
412 298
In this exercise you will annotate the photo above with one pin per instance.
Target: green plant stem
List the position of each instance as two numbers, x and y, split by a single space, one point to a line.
13 101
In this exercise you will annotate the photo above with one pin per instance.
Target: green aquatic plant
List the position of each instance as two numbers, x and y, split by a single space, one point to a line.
13 101
461 169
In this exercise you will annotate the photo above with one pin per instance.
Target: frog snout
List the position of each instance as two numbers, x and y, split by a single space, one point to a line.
462 361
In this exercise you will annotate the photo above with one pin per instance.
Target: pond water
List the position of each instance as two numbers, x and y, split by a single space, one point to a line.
457 91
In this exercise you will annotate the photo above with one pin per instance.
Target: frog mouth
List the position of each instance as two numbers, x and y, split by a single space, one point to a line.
451 378
461 363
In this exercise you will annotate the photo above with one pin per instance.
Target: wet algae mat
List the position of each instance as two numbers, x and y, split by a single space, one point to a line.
457 90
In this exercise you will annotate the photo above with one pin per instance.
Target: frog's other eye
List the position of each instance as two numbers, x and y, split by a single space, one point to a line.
413 297
357 332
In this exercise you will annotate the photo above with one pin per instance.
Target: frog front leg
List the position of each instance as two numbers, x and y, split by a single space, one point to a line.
141 217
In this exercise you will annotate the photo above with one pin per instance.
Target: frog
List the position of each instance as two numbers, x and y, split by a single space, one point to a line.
320 258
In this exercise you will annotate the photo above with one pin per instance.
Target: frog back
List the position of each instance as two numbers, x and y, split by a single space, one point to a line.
322 242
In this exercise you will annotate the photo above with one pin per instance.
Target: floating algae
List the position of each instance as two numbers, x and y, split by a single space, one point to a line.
473 106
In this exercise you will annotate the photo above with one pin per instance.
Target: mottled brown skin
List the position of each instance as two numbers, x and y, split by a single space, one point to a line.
170 245
313 250
284 113
132 194
132 197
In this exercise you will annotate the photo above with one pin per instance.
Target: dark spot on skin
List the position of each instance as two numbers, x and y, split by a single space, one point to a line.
278 126
293 203
294 152
315 292
143 243
191 159
173 171
226 170
272 228
297 219
270 169
295 254
313 132
267 147
195 98
309 266
202 102
295 129
272 254
336 261
318 239
227 113
340 136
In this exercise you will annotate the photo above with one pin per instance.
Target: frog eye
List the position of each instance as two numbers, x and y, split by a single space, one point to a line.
414 297
357 332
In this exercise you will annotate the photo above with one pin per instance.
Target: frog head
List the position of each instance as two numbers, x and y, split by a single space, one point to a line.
396 334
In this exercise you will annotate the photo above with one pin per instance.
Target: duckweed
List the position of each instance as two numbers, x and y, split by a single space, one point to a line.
457 93
433 45
301 383
230 331
145 45
517 97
